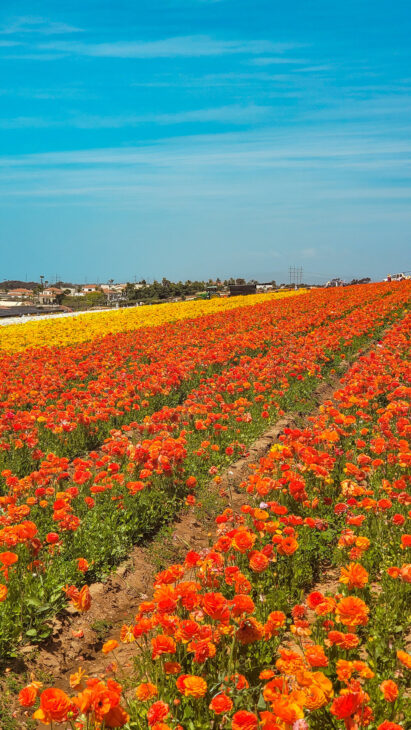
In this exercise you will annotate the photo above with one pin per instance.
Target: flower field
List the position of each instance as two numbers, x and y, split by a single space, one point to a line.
91 325
295 616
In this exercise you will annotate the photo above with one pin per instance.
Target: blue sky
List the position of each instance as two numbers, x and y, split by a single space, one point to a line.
201 138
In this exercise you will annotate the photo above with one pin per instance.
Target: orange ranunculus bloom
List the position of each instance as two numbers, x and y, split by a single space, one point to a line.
146 691
314 697
8 559
258 562
81 600
260 514
3 592
404 658
169 575
220 704
345 705
273 689
405 572
82 565
102 699
275 621
116 717
289 662
352 611
240 682
345 641
389 690
191 686
327 605
243 540
354 576
127 634
28 696
242 603
286 709
172 667
216 606
187 630
324 683
54 706
363 669
314 598
109 646
244 720
301 627
162 644
203 650
344 670
266 674
76 678
315 656
393 572
287 546
157 712
250 630
268 721
166 598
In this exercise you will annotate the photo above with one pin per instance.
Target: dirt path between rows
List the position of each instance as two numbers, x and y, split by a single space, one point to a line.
115 602
77 639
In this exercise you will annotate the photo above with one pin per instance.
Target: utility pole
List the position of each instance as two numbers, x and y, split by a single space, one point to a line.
296 275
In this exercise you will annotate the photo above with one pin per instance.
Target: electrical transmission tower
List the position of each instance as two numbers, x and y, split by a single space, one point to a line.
296 275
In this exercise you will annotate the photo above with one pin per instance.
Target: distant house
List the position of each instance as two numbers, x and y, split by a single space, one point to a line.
72 291
88 288
265 286
20 293
49 295
398 277
335 282
113 293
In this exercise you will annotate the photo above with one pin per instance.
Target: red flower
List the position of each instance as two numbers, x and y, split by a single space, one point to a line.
157 712
221 704
244 720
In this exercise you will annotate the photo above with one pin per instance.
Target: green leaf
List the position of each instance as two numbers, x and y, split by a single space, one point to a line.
33 602
261 702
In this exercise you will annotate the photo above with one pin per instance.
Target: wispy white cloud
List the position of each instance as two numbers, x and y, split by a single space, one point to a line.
30 24
252 149
273 60
33 56
9 44
309 253
214 80
45 94
372 108
234 114
180 46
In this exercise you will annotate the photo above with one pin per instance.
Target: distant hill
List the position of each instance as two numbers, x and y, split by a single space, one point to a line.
17 284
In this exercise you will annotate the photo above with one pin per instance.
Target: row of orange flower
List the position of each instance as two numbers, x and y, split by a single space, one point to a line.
229 641
62 513
67 399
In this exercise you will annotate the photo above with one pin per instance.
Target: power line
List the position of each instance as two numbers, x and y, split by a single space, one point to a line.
296 275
